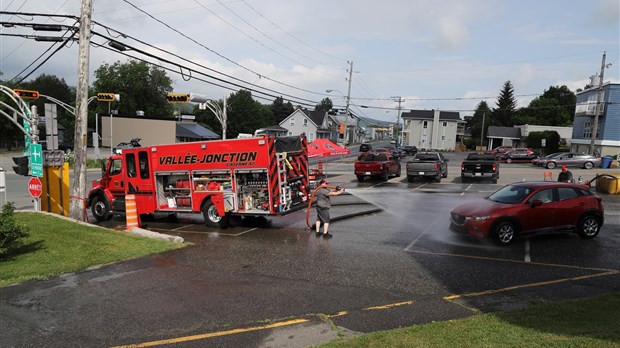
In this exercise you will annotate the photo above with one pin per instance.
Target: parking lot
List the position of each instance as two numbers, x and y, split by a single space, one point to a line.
270 282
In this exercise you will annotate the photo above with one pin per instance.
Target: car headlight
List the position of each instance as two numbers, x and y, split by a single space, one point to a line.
478 218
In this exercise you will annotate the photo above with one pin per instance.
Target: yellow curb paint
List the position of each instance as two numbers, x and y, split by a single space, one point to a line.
388 306
214 334
488 292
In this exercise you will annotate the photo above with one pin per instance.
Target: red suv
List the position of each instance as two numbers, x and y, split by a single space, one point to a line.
531 207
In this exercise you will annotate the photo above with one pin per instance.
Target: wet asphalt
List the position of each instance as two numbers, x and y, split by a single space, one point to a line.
272 283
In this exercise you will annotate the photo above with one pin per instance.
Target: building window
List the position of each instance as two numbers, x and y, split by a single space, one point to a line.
290 133
305 122
443 137
587 130
445 124
425 124
310 136
292 121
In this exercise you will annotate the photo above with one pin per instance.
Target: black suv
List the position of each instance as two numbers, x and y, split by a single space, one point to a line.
365 147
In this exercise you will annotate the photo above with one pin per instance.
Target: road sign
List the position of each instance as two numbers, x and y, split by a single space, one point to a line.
35 187
36 160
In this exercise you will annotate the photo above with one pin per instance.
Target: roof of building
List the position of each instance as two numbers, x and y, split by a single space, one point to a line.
194 131
430 114
504 132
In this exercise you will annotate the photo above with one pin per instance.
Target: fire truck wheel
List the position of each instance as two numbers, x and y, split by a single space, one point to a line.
212 219
101 209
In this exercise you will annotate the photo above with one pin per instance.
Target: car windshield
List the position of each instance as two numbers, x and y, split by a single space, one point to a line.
373 157
510 194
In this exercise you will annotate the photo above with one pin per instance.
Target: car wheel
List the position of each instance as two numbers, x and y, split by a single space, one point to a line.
588 227
438 178
212 219
360 178
100 208
509 160
445 175
588 165
550 165
410 178
494 180
504 233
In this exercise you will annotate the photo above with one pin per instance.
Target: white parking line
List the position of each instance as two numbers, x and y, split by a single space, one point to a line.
182 227
421 234
467 189
527 250
419 187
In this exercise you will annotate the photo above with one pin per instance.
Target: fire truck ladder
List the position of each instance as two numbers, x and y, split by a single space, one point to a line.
285 190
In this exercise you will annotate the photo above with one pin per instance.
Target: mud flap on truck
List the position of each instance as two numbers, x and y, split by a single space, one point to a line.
214 212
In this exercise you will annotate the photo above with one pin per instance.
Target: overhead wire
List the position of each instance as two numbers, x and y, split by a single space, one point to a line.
200 65
219 54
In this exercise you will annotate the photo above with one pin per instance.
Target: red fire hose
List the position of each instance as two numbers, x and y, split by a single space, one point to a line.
311 199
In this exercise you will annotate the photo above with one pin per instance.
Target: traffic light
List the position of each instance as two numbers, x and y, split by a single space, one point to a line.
22 165
26 94
106 97
177 98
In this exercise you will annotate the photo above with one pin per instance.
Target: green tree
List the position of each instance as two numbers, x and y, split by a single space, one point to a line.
552 141
281 110
506 107
474 124
555 107
57 88
141 87
245 115
10 231
325 105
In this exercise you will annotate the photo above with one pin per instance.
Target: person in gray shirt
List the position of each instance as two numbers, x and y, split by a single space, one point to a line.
323 203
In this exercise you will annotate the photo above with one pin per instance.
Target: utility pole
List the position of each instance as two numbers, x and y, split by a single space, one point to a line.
78 187
346 117
598 104
482 130
398 132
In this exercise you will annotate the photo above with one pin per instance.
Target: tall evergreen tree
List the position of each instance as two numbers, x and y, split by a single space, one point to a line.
506 107
474 124
281 110
325 105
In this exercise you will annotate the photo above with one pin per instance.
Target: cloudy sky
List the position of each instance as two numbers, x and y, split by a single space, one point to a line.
447 55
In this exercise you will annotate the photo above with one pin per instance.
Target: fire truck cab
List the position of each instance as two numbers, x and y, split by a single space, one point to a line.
252 177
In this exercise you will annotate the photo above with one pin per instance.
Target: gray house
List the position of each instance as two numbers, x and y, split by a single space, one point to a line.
316 124
431 129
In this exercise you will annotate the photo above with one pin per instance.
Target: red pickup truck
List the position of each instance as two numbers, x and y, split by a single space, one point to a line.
376 164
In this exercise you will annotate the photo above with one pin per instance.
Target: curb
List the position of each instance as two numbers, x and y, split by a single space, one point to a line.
155 235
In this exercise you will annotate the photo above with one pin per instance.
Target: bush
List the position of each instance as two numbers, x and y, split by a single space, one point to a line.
10 231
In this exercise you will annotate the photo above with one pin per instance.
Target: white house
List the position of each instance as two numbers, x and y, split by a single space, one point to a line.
431 129
316 124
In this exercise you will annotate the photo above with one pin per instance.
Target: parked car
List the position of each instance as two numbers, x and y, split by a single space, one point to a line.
410 150
365 147
536 161
427 165
500 150
530 207
571 159
135 142
391 150
518 155
376 164
479 166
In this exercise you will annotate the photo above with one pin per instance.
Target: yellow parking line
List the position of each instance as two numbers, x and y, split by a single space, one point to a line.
555 281
214 334
388 306
513 261
253 328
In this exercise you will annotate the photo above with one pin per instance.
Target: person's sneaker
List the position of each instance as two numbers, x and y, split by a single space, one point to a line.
327 235
318 234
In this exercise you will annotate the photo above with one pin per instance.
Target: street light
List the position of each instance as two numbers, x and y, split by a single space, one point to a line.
346 116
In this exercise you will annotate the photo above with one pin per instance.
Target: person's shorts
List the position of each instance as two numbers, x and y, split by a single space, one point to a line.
322 215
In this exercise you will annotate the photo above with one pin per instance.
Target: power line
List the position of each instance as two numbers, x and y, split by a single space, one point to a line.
220 55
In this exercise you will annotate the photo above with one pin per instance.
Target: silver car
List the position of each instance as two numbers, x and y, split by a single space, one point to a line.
570 159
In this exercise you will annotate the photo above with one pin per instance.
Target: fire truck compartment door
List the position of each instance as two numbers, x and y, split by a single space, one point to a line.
218 201
138 178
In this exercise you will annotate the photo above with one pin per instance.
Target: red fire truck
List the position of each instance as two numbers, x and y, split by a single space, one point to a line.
252 177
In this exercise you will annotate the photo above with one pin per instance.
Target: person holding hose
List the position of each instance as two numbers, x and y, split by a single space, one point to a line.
323 203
